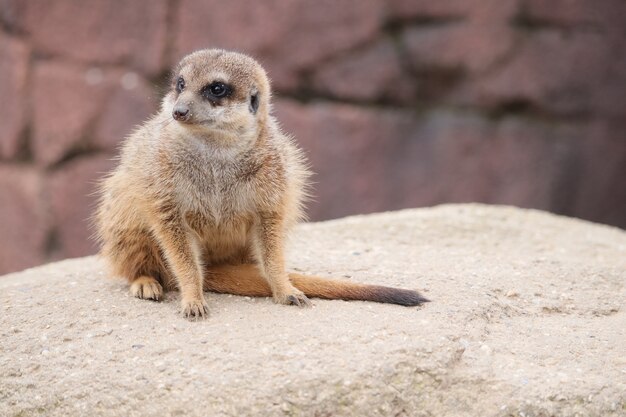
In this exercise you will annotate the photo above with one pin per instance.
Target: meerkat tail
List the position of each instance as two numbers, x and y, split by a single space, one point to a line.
246 280
332 289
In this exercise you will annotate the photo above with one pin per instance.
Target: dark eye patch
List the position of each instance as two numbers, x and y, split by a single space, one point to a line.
216 90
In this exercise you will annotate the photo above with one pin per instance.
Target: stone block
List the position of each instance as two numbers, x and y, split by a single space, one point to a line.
24 223
600 194
98 31
286 37
573 13
349 149
372 74
128 107
466 47
425 9
14 57
472 44
551 72
71 191
68 99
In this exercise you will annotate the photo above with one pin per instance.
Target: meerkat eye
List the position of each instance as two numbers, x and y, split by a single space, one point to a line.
180 84
216 90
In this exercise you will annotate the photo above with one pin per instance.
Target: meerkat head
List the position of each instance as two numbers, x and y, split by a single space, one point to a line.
220 93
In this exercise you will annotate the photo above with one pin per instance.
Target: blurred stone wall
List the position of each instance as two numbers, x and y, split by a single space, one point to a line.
398 103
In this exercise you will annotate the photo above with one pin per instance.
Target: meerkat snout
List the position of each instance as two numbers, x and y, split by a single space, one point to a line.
181 112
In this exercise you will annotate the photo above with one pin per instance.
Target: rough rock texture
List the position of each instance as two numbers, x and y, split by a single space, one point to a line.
24 217
527 319
399 103
14 70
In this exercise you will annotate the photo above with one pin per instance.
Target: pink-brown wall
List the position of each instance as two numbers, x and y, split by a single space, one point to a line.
398 103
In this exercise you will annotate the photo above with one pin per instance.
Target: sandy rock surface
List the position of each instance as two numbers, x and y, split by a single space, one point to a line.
527 319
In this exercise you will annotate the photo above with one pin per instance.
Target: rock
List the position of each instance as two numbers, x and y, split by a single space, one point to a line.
67 99
460 36
472 351
445 9
566 13
603 157
73 207
201 27
448 11
472 47
340 141
23 223
357 153
372 74
550 72
285 36
98 32
129 106
14 56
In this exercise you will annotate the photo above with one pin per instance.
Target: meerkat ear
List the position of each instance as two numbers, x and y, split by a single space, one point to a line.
254 102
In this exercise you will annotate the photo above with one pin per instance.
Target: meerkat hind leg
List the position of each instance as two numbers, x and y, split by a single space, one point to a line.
147 288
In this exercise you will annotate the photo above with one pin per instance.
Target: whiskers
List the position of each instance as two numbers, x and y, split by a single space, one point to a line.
198 124
165 123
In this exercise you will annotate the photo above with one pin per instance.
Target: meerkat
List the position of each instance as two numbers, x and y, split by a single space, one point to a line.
205 194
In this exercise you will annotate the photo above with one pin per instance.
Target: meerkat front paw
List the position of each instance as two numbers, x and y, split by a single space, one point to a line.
299 300
146 288
294 297
194 309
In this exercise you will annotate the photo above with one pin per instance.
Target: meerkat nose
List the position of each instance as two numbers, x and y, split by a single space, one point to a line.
181 113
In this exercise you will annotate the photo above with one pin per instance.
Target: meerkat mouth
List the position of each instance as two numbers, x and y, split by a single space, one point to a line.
210 122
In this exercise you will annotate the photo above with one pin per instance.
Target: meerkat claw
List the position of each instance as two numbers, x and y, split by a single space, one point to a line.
299 300
195 310
146 288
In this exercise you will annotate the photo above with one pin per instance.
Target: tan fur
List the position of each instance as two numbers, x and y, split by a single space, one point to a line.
208 197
